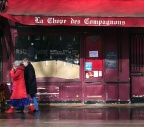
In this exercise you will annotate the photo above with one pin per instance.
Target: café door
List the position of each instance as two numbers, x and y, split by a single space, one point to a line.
106 72
93 69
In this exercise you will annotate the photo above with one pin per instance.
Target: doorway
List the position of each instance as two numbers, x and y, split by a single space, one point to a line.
137 67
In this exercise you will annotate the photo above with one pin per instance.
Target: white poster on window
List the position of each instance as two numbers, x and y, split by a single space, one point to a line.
100 73
95 73
93 53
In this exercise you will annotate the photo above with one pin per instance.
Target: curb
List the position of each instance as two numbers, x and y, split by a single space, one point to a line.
91 105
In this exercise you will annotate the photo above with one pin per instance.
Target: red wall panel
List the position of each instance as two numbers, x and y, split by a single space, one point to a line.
137 86
48 92
112 92
72 92
94 92
124 92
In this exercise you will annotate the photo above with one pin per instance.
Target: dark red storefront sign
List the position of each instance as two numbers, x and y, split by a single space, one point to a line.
85 21
77 21
122 13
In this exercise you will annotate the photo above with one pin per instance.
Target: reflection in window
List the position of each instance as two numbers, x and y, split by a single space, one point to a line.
52 56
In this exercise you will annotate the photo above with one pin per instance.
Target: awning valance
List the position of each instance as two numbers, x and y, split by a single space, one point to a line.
76 12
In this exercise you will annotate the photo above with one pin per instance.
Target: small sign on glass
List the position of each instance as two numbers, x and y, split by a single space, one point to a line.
88 66
93 53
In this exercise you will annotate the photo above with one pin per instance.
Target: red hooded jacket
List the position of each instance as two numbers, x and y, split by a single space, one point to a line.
19 87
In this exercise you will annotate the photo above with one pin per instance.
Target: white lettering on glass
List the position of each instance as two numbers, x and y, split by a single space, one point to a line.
21 51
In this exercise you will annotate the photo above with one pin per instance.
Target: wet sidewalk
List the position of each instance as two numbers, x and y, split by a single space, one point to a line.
77 115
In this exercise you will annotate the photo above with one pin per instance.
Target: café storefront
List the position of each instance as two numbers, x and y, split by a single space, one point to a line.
80 54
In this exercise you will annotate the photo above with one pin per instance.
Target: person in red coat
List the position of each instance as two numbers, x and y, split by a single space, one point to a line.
19 95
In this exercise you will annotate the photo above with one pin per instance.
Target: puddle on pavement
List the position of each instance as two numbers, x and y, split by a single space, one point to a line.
76 113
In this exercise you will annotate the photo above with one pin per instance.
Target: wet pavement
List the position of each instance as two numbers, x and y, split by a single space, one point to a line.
76 116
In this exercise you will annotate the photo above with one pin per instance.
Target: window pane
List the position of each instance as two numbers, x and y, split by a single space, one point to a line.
52 55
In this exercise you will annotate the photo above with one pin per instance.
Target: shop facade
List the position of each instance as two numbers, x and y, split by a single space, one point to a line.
81 58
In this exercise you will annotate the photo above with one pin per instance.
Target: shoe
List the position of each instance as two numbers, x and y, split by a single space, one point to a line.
32 109
11 110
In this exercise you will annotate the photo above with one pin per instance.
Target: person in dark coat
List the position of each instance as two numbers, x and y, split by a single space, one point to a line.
30 81
19 95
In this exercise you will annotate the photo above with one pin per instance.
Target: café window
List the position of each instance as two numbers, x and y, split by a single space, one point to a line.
53 56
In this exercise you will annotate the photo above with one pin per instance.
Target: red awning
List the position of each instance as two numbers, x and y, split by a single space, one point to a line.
27 11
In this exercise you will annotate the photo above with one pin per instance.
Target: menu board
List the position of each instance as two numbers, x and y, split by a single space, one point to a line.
111 60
